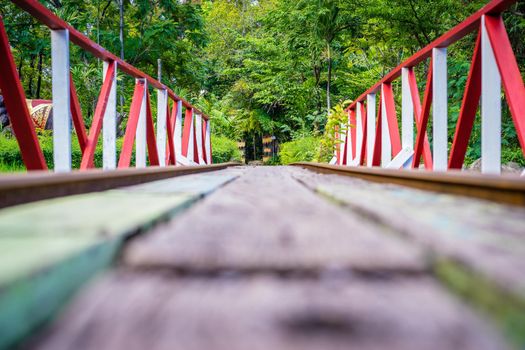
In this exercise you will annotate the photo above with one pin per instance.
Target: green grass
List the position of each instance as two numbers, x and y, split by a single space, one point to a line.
11 158
224 150
11 168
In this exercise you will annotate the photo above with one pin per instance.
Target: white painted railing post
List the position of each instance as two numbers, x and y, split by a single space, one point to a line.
109 123
61 100
386 146
349 153
140 136
439 108
198 137
407 112
177 135
342 138
162 110
490 107
370 127
191 139
208 143
359 133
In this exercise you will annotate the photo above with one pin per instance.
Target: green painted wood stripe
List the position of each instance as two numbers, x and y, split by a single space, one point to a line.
48 249
506 309
30 301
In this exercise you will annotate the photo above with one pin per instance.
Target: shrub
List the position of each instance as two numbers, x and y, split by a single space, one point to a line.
224 150
11 158
305 149
337 123
274 160
512 155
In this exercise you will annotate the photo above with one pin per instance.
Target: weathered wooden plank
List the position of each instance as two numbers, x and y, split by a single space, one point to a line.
488 237
20 256
39 185
39 275
202 184
49 248
161 312
478 247
265 220
110 213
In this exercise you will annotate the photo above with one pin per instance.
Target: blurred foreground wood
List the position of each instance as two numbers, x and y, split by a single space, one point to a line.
283 258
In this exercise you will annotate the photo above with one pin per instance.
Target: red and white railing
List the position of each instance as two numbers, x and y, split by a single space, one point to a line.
375 139
175 141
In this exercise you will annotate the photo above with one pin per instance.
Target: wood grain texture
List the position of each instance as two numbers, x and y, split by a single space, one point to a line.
49 248
264 262
39 185
128 310
487 238
265 220
508 189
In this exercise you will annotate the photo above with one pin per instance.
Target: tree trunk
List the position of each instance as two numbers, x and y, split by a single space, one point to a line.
20 65
121 38
329 80
30 84
254 147
39 68
317 77
121 27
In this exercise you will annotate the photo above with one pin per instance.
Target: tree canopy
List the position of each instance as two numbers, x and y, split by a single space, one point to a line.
257 67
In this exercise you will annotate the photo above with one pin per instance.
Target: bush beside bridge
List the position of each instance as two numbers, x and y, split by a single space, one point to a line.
224 150
305 149
11 159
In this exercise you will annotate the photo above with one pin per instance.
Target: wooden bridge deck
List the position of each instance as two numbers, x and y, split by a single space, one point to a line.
270 258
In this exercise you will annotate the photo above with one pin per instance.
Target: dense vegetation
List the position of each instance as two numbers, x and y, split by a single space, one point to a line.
224 150
260 67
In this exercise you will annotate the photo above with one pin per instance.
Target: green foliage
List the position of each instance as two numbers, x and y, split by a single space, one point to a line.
11 158
266 67
301 150
512 155
147 25
337 124
274 160
224 150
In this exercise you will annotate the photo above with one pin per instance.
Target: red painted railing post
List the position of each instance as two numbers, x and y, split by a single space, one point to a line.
376 159
15 102
353 134
170 147
131 128
393 127
150 134
467 113
195 145
96 125
345 146
203 139
188 149
510 74
422 115
76 115
362 156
